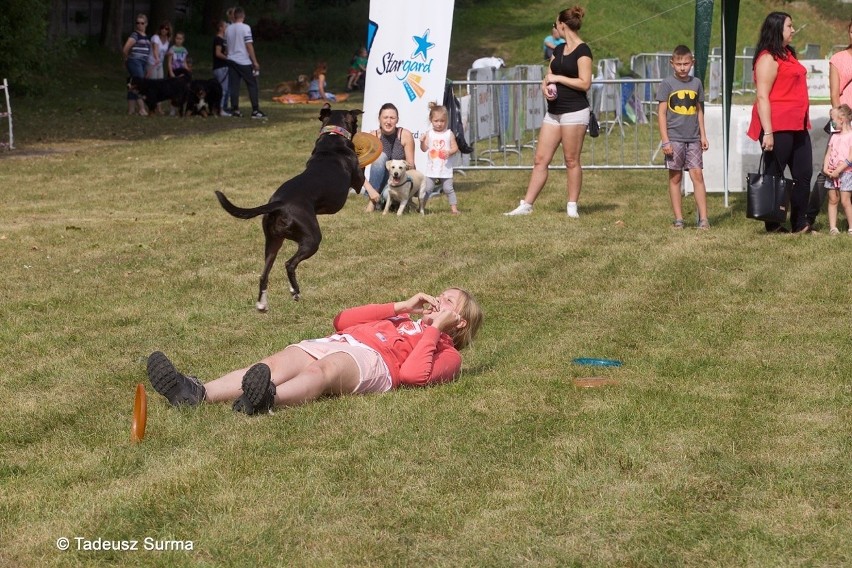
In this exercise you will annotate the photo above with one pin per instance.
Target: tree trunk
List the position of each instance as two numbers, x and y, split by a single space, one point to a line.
111 36
55 29
211 13
161 11
285 7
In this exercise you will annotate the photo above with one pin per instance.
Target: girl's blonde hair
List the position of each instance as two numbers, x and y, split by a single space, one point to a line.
845 111
471 312
435 108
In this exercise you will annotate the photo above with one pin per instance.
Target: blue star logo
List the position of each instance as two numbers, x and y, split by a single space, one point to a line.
423 46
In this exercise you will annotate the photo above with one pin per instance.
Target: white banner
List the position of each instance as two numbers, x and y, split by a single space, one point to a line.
409 45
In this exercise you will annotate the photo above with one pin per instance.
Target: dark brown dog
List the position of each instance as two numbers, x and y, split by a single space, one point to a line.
321 189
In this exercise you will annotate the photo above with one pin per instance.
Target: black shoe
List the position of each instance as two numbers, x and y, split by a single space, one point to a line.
236 113
258 391
176 387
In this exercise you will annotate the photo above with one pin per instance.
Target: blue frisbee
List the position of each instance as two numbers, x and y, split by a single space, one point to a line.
590 361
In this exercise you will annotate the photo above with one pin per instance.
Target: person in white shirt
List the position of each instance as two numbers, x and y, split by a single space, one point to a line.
243 64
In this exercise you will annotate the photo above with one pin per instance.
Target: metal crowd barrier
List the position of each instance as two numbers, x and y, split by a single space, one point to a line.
502 117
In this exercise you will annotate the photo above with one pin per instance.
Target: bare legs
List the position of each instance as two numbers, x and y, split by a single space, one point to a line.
700 192
298 378
571 137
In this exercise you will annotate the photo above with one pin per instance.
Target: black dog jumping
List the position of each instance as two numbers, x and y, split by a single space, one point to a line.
322 189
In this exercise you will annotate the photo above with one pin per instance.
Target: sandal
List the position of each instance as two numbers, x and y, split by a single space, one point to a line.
834 231
703 224
678 224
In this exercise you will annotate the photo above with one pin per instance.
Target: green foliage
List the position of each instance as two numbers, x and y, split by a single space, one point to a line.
725 443
29 59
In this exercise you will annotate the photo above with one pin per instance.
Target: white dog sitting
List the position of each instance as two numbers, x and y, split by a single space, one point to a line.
403 184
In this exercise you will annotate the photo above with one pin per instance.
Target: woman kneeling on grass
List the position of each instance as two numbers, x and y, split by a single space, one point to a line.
376 347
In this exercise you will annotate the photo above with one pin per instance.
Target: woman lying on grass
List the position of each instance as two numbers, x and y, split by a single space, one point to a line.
375 348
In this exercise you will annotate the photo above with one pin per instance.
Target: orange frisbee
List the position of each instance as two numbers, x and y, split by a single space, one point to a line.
140 414
367 147
593 382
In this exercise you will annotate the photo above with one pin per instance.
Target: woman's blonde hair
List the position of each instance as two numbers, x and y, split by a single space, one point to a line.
471 312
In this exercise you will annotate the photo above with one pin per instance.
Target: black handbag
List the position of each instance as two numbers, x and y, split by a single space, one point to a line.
768 195
594 127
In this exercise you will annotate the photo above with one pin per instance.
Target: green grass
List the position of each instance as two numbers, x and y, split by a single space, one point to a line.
727 441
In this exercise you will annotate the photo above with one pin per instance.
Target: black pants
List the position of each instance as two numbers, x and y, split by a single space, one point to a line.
818 193
793 149
235 74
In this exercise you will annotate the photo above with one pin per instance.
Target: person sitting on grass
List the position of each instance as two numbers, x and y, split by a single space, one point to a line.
374 349
317 88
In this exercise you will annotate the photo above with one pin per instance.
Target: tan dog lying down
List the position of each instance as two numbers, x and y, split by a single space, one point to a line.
300 85
403 184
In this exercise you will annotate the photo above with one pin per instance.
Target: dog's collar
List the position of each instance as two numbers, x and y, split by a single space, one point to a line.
336 130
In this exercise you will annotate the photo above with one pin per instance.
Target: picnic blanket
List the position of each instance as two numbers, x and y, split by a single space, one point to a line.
303 99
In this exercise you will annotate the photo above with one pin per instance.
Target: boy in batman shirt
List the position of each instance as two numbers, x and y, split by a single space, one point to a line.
681 120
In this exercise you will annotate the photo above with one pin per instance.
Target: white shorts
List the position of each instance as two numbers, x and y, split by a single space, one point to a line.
579 118
374 374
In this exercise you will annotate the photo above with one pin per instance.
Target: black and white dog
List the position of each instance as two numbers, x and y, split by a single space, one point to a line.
204 98
321 189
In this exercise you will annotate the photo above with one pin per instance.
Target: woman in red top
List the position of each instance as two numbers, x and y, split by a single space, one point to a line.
374 348
779 118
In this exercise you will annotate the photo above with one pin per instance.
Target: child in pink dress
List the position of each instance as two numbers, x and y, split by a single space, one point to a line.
838 167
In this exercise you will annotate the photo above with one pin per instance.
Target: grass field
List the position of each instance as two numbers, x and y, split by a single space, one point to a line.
727 441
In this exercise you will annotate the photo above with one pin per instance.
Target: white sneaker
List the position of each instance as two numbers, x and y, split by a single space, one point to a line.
523 209
572 211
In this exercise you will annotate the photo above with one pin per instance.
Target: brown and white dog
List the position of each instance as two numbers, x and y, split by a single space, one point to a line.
321 189
403 184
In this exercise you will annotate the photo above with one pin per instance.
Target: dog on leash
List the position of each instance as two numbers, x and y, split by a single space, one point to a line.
403 184
154 91
299 86
321 189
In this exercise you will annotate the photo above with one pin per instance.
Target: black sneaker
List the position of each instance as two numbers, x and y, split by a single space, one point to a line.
176 387
257 114
236 113
258 391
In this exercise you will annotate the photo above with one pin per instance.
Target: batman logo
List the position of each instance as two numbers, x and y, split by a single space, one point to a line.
684 101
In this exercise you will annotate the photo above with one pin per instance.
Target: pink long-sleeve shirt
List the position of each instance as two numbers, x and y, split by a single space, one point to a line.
416 354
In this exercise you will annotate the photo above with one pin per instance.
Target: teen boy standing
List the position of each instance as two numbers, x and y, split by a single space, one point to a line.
243 63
